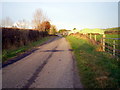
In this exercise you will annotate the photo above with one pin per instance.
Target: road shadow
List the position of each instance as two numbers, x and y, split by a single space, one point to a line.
23 55
56 50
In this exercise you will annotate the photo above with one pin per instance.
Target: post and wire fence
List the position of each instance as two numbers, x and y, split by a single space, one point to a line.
110 45
108 41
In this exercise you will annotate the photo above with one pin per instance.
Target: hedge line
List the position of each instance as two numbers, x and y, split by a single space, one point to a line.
14 37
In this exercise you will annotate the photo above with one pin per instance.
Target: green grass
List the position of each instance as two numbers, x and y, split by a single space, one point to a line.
96 69
7 54
96 30
112 36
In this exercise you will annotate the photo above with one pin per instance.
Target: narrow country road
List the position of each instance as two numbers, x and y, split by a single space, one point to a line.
51 66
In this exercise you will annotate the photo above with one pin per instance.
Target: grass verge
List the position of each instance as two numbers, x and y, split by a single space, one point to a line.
96 69
7 54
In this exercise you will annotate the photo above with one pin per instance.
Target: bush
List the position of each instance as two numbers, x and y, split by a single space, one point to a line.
14 37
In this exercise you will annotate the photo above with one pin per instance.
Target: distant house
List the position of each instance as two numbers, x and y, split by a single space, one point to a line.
66 32
22 25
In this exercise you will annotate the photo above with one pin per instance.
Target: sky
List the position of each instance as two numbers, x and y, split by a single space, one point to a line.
65 14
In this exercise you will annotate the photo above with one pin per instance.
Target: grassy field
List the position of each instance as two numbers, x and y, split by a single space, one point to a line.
112 36
7 54
96 30
96 69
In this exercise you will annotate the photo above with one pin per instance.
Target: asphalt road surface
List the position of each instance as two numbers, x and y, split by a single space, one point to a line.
51 66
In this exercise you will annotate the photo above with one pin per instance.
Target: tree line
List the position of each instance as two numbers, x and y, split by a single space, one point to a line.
40 22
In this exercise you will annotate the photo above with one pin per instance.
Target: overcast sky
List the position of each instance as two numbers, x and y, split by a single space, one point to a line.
66 15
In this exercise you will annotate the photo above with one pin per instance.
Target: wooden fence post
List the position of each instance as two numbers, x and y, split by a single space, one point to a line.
95 37
113 47
90 36
103 42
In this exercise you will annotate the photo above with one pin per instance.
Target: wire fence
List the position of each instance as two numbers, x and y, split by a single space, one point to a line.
110 45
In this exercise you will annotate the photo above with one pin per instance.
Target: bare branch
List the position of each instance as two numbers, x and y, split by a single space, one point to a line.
7 22
38 19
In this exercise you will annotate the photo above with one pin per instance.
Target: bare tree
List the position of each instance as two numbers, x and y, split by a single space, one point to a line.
7 22
38 19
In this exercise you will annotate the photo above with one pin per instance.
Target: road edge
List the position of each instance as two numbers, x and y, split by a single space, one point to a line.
76 76
26 53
